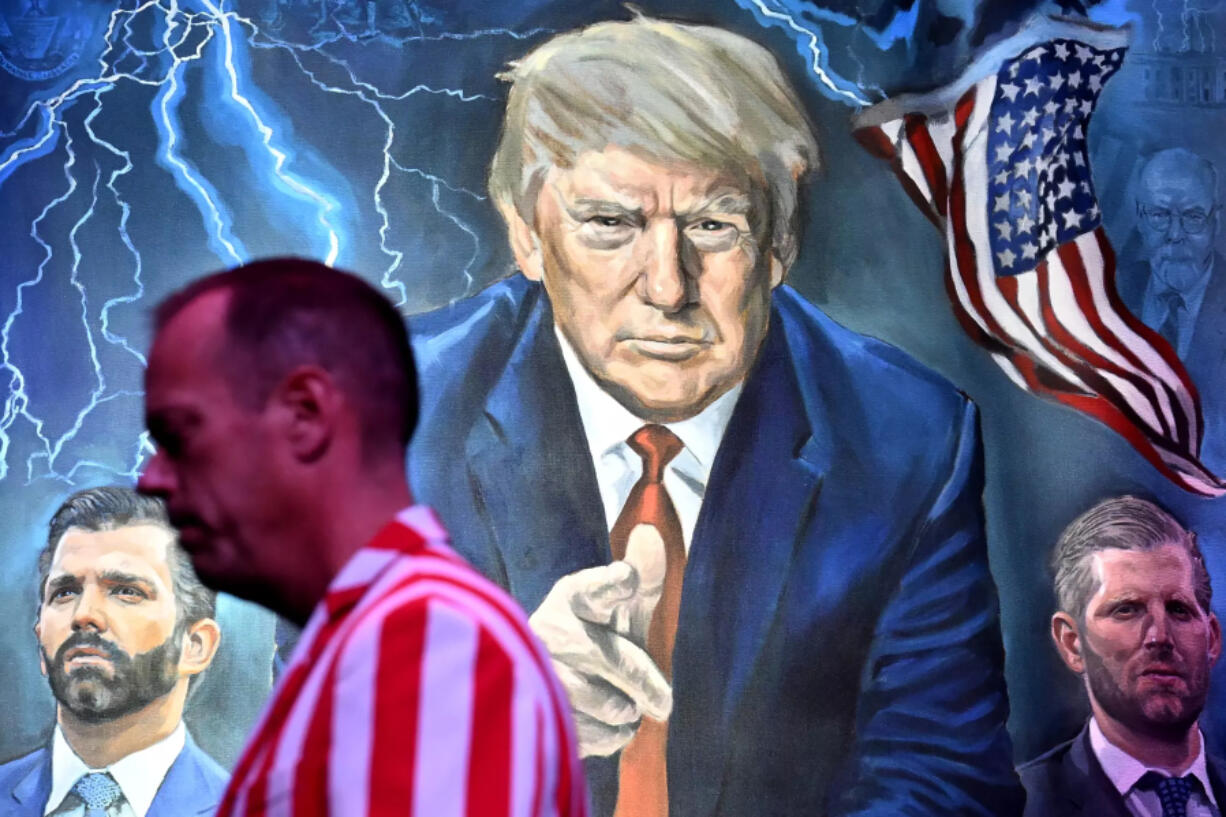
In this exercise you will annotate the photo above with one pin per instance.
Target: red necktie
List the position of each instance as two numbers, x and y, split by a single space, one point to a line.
643 780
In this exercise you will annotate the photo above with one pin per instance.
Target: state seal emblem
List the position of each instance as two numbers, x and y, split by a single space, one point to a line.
40 42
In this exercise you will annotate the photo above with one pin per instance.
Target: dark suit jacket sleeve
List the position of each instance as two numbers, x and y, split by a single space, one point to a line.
930 735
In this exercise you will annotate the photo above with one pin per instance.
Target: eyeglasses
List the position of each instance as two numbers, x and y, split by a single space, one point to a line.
1191 221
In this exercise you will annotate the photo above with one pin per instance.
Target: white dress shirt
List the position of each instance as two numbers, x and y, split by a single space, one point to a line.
139 774
1154 308
1124 770
607 424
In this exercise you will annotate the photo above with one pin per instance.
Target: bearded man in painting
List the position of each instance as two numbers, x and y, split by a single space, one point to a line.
125 629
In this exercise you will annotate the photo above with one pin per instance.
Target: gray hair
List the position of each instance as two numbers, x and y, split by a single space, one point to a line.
1124 523
112 507
669 91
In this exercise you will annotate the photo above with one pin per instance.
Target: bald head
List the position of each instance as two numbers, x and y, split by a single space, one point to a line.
1177 206
1182 169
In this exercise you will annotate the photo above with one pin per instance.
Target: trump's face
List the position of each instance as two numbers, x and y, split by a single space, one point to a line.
658 275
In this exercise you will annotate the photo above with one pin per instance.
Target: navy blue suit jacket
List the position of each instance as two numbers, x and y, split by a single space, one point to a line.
1206 357
838 649
193 785
1068 781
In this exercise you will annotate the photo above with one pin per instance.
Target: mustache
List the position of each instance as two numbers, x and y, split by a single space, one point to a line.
90 639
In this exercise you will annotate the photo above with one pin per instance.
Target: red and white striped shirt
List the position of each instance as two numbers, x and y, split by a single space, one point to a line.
416 689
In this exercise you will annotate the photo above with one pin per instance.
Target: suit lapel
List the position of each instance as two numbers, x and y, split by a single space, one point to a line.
34 788
1207 351
185 790
532 470
1086 784
761 494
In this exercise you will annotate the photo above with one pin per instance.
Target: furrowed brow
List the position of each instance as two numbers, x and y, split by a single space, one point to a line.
120 577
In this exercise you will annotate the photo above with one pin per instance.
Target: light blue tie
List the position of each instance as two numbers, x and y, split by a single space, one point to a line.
99 791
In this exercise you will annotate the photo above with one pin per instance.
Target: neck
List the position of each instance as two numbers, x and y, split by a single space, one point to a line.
103 743
356 510
1173 752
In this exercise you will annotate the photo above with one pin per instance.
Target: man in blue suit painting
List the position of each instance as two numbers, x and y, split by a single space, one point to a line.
752 539
124 629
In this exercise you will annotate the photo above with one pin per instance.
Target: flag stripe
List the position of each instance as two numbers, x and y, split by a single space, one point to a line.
1001 164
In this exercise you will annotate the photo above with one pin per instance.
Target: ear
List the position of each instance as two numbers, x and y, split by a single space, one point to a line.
525 244
1068 641
38 636
199 645
308 403
777 272
1215 639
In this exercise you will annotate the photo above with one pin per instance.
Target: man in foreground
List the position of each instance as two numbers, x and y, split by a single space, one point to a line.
753 540
124 629
282 395
1135 624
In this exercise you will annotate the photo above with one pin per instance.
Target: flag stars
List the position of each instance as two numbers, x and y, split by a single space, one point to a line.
1062 50
1083 53
1025 224
1022 169
1050 108
1074 79
1002 178
1003 152
1002 203
1011 90
1056 81
1028 139
1079 159
1029 251
1066 189
1006 258
1033 86
1005 229
1024 199
1072 219
1005 125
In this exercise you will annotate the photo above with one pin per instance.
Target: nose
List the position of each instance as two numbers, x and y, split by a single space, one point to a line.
663 281
1158 630
158 477
1175 231
89 610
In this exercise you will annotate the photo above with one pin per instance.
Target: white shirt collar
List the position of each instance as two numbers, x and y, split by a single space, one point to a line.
1124 770
139 774
607 423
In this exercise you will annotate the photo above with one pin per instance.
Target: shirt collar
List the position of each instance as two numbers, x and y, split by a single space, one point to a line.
1192 296
412 530
607 423
139 774
1124 770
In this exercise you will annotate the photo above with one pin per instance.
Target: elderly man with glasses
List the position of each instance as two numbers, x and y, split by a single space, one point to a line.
1179 289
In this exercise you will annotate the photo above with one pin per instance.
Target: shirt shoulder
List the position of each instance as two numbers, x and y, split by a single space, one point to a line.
434 607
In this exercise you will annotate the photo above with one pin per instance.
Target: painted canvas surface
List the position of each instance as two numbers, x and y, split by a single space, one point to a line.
146 143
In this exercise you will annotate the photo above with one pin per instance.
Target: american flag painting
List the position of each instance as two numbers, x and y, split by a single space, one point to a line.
999 162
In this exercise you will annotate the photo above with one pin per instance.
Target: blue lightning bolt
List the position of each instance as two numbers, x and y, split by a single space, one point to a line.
323 203
184 33
810 43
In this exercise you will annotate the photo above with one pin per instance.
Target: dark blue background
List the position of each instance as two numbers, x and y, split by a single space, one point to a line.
390 110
